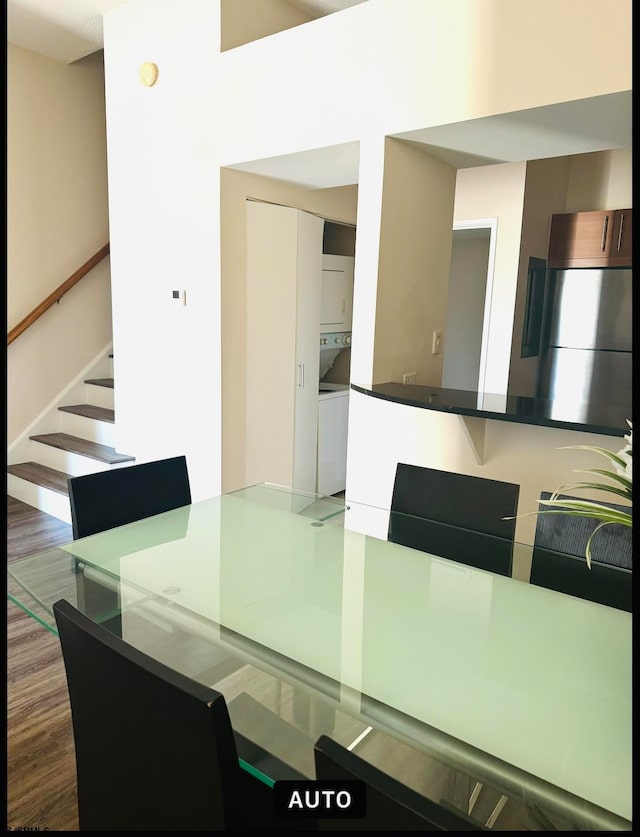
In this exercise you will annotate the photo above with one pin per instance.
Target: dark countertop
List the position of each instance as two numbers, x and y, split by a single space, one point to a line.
589 418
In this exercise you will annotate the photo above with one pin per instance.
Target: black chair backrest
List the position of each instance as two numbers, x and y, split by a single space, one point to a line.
390 805
568 533
155 751
112 498
472 509
608 582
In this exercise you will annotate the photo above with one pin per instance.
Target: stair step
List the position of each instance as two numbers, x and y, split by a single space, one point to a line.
41 475
90 411
74 444
101 382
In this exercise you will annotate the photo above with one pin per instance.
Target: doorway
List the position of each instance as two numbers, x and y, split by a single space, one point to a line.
468 321
283 313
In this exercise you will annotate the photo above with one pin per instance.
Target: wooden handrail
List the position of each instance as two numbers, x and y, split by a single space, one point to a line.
57 295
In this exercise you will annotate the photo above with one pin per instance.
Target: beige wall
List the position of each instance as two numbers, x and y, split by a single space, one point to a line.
497 192
465 312
601 180
413 270
56 220
338 204
242 21
545 193
577 183
563 184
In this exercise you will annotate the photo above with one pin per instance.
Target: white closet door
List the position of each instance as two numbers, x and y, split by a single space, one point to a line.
284 265
272 233
310 229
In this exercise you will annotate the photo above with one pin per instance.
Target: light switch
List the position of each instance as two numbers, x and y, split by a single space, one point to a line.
180 296
437 343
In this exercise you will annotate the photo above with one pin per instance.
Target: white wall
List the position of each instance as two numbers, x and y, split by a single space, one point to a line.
164 210
518 453
56 220
365 271
421 63
315 85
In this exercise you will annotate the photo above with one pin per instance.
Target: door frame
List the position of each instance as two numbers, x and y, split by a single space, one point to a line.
492 225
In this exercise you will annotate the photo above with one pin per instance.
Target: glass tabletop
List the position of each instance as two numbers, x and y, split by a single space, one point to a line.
309 620
316 506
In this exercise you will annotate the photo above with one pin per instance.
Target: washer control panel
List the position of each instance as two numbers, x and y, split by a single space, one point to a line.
335 340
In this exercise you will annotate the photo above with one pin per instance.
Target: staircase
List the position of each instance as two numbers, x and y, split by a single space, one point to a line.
76 436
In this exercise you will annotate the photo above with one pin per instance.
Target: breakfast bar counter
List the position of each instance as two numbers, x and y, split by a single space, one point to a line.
605 419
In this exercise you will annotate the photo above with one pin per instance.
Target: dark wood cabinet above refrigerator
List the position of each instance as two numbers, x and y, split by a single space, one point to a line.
602 238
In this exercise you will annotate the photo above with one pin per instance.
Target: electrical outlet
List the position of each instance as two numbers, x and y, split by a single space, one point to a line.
409 378
436 347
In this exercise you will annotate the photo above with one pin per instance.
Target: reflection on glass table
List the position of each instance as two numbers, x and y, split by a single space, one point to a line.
316 506
449 677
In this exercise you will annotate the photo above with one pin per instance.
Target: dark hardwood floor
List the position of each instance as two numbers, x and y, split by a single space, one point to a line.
41 773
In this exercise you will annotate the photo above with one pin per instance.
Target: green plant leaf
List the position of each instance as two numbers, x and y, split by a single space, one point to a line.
619 478
587 552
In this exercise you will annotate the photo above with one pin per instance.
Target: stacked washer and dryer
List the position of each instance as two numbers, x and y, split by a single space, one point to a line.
333 384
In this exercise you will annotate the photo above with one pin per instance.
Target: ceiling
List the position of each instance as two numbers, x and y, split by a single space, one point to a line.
62 29
595 124
70 29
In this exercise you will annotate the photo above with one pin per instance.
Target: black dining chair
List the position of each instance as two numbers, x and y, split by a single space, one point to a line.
390 805
112 498
559 563
108 499
155 750
455 516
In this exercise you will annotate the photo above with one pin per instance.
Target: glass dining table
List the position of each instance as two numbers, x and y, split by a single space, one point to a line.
507 699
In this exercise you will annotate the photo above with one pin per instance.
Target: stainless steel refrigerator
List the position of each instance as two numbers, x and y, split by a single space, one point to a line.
587 335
